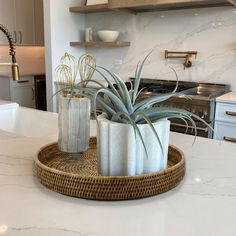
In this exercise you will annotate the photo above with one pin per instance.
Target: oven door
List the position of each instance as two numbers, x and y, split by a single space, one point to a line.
40 92
181 127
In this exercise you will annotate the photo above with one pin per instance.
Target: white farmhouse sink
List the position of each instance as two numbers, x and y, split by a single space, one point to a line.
27 122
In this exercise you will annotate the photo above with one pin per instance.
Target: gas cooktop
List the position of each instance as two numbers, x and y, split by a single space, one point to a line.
197 90
167 87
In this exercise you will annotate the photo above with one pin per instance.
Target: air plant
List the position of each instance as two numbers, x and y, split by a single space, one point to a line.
121 105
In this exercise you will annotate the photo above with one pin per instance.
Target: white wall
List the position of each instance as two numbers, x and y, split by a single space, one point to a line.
61 27
210 31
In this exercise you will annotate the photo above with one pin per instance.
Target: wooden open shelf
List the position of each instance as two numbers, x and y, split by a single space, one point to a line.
100 44
135 6
90 9
160 5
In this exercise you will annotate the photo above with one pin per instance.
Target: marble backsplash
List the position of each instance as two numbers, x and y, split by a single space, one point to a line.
209 31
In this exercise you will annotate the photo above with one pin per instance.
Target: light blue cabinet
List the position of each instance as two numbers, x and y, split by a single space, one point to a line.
225 121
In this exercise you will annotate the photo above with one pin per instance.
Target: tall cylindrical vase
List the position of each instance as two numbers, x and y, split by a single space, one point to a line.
74 124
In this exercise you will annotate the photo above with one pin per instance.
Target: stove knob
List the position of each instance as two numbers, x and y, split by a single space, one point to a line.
203 115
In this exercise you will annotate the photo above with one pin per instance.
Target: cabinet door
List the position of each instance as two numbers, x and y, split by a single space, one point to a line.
7 18
39 22
23 92
25 22
5 88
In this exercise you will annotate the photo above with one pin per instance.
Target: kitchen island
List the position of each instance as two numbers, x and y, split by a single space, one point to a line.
204 203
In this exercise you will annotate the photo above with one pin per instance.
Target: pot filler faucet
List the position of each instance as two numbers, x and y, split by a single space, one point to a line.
13 64
186 55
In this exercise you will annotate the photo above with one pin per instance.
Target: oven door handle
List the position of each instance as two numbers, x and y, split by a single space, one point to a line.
189 127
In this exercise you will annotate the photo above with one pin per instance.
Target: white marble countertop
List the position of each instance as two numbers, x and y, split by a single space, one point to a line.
8 74
228 98
203 204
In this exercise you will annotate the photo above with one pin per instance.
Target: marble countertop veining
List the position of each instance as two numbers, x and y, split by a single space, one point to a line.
203 204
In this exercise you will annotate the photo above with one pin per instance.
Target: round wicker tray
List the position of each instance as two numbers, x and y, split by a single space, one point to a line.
80 178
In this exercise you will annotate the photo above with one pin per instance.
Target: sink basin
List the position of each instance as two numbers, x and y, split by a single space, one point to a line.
28 122
32 123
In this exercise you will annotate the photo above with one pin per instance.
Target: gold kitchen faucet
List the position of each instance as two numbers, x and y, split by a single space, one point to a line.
13 64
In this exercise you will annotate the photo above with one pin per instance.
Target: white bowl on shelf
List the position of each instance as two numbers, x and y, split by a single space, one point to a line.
108 35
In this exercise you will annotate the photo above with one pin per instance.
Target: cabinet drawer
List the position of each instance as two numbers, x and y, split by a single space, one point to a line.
225 112
225 131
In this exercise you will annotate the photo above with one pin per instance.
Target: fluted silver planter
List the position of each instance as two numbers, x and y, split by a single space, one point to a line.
74 124
121 152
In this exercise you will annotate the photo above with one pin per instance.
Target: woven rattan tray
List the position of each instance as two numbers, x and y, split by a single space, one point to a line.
79 178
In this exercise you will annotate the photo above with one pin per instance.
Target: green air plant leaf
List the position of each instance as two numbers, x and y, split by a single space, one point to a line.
138 77
110 83
177 80
121 90
146 103
92 93
127 99
146 118
118 104
135 126
175 113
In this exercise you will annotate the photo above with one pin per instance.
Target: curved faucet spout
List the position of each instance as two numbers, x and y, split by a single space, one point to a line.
13 64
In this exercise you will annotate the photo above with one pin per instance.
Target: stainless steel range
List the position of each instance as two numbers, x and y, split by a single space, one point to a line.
202 102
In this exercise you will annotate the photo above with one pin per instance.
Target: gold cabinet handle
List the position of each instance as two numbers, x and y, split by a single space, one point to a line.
33 94
15 36
230 113
229 139
22 81
20 33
